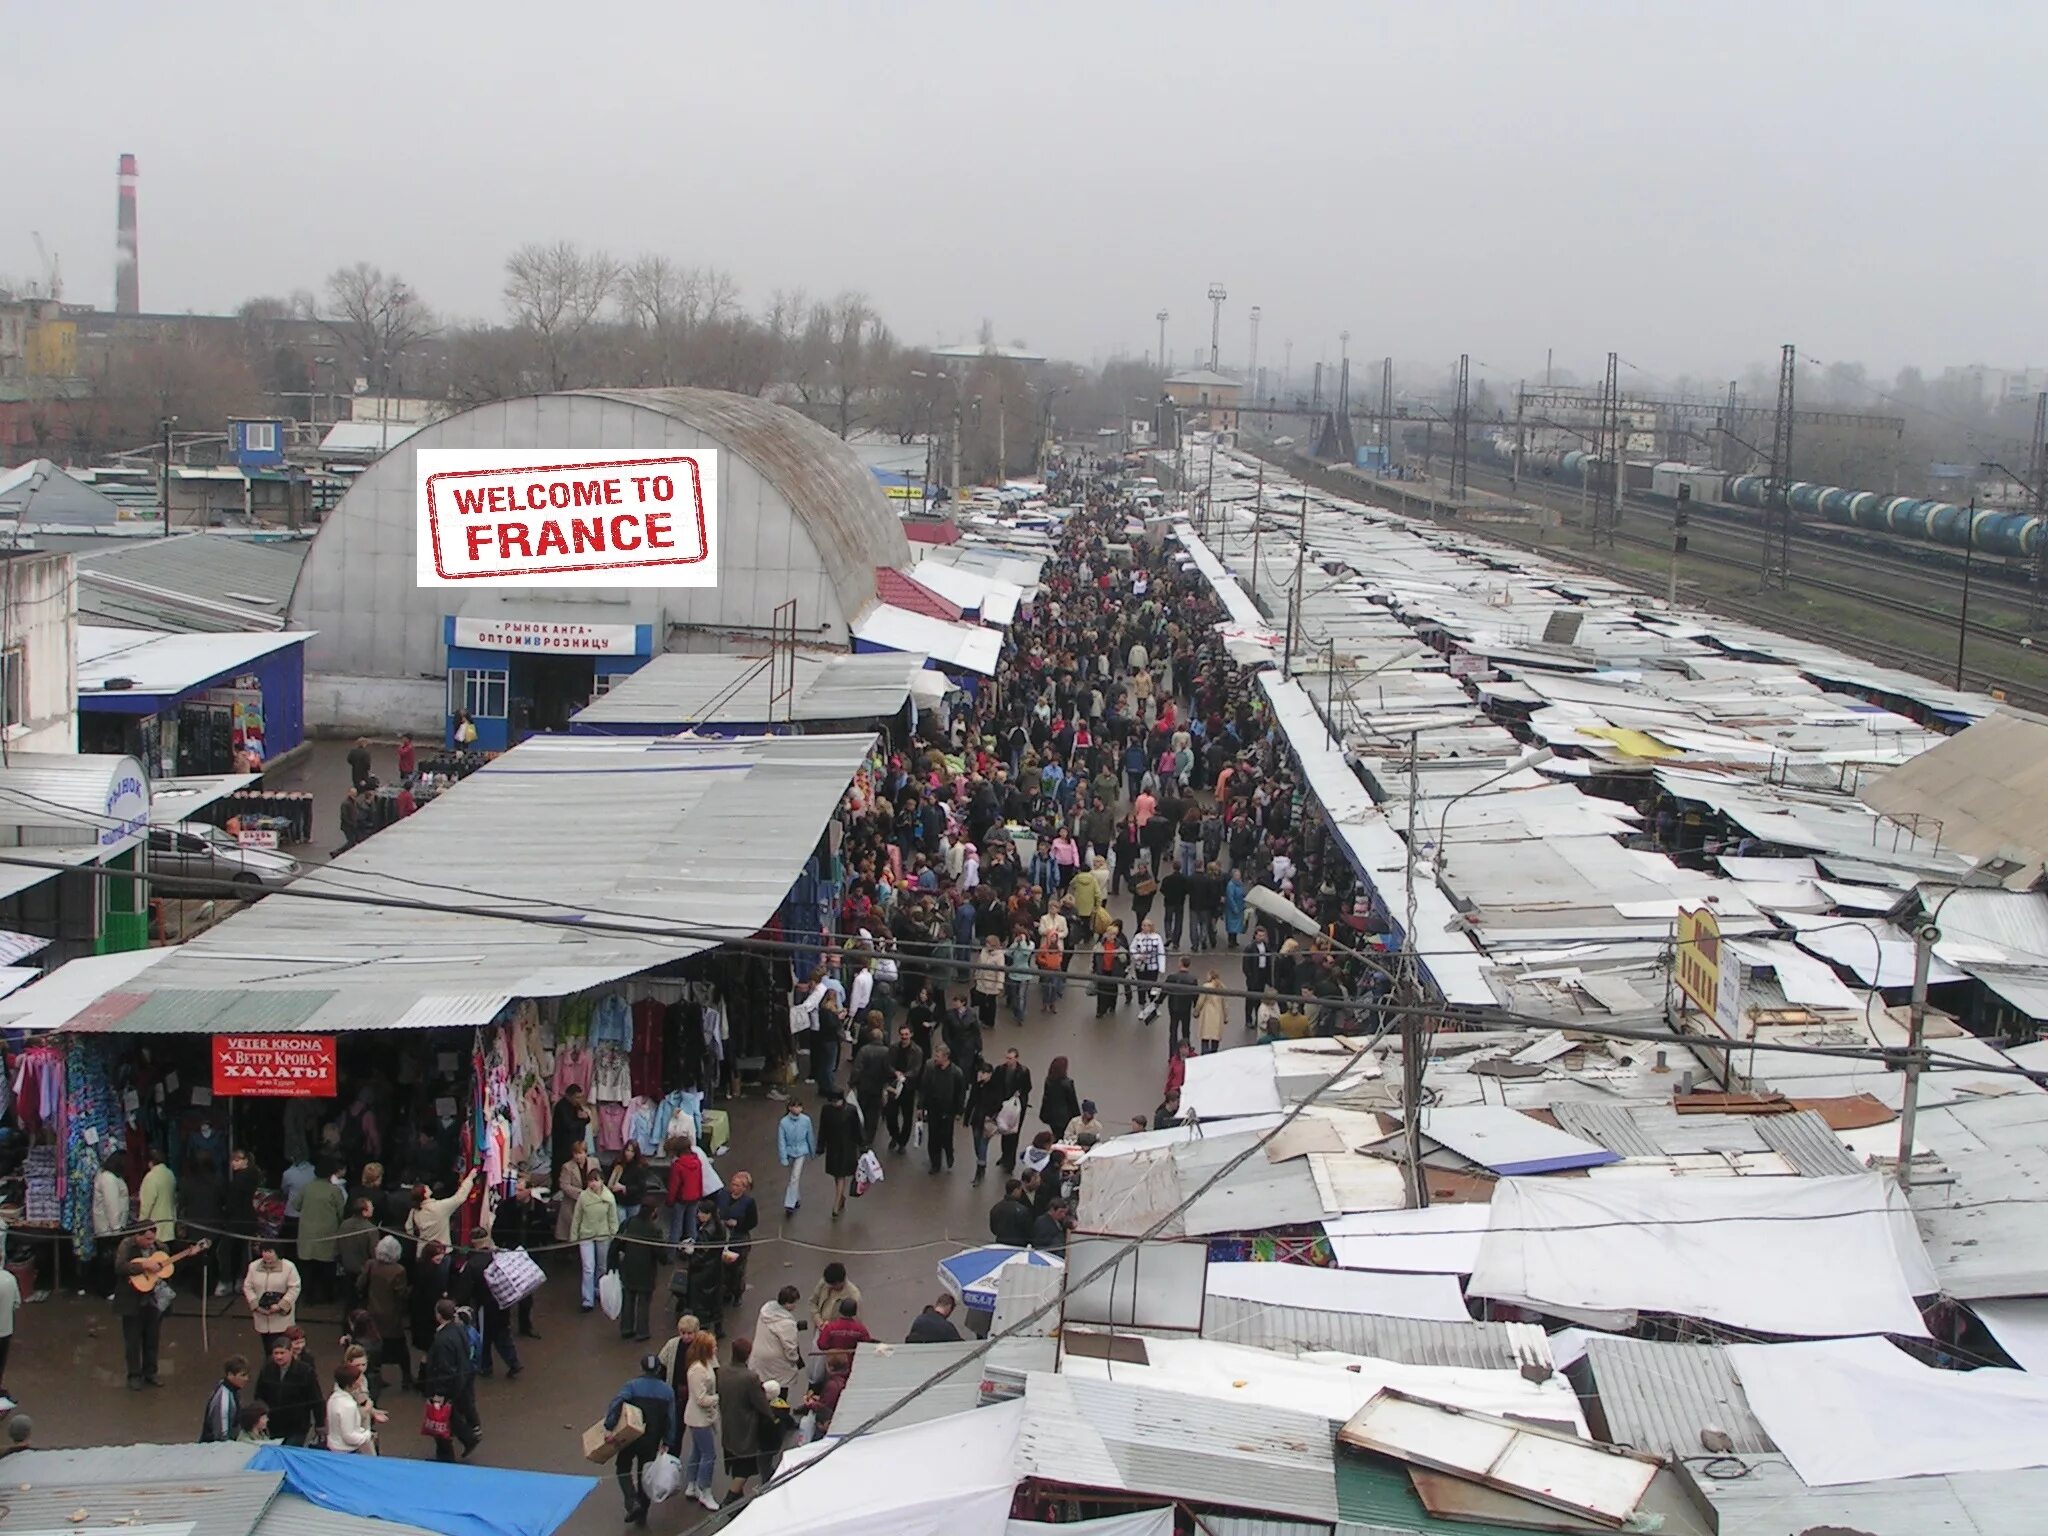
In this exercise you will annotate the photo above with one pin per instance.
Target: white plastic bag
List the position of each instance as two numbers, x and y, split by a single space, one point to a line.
662 1478
869 1170
611 1294
917 1136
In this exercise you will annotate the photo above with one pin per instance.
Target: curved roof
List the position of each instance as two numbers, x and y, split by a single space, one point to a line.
823 480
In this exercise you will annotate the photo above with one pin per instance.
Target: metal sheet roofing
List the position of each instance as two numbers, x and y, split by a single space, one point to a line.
194 582
974 647
226 1505
882 1373
1984 1219
686 843
679 689
145 662
1658 1130
1108 1435
1987 785
129 1463
1410 1340
1660 1397
1770 1499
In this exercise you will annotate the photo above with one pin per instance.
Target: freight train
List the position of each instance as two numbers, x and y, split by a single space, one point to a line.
1992 531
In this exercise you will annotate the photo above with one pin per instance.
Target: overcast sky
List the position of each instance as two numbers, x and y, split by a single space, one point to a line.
1689 185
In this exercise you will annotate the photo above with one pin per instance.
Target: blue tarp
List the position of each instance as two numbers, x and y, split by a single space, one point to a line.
448 1497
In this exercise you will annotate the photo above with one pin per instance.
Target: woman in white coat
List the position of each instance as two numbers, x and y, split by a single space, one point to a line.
350 1427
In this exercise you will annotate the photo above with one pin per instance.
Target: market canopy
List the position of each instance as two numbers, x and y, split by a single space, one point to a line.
454 1500
605 857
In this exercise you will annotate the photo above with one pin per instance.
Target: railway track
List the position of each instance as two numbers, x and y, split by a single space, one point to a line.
2026 693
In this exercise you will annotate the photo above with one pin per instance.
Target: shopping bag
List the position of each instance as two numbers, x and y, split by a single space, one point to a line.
437 1419
512 1277
611 1294
1010 1116
661 1478
869 1169
917 1135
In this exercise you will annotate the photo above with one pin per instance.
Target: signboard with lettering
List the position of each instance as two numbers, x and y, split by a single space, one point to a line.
1697 966
536 517
127 808
273 1066
546 636
256 837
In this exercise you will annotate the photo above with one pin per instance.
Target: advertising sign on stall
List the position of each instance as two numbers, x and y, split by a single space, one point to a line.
531 517
273 1066
256 837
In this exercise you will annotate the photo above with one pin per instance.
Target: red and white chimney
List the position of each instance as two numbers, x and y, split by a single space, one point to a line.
127 274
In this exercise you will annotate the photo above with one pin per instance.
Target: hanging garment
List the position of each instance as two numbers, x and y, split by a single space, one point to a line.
612 1024
574 1066
611 1127
612 1079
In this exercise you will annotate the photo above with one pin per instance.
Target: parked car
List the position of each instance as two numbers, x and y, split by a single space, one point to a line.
207 853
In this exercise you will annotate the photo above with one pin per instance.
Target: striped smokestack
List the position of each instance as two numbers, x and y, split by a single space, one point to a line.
127 274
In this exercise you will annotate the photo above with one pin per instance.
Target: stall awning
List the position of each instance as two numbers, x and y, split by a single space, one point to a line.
133 671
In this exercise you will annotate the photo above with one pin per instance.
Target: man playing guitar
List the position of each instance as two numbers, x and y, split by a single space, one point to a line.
144 1266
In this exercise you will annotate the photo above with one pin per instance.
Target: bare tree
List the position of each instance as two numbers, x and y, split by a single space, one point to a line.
377 316
556 292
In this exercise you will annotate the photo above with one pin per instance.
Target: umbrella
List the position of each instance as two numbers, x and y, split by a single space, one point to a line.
973 1276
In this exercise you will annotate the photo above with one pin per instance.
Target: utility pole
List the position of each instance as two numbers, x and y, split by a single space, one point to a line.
1294 598
1286 366
1777 541
1679 519
168 423
1546 366
1461 426
1316 398
1409 994
1258 517
1515 471
1216 298
1963 617
1925 937
2037 476
1161 318
1728 445
1387 412
1251 372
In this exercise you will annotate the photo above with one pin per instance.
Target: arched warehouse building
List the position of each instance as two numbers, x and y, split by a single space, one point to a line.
799 517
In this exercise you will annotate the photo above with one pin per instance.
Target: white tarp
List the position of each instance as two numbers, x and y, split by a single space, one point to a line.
1342 1290
1230 1083
1805 981
1813 1258
1509 1142
1146 1522
953 1476
1328 1383
2021 1328
1442 1240
1863 1411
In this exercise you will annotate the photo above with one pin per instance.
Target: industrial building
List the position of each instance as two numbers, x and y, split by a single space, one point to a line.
800 518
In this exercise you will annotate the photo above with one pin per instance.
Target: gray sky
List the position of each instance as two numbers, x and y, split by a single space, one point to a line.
1690 185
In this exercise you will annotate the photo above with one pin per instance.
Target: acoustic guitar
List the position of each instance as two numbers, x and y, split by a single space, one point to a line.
155 1266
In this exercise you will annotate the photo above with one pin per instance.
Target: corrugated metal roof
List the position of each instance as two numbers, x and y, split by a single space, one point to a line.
229 1505
882 1373
1022 1289
1244 1525
901 591
1659 1397
1981 1216
290 1515
701 836
1127 1194
1658 1130
1411 1340
1988 785
1109 1435
1770 1499
193 582
153 663
129 1463
678 689
824 482
66 794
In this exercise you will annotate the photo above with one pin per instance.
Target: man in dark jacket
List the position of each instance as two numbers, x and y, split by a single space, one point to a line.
1013 1081
449 1371
1173 897
934 1325
747 1426
1180 1006
1049 1232
868 1077
983 1104
942 1094
906 1062
639 1251
662 1428
1009 1219
1258 975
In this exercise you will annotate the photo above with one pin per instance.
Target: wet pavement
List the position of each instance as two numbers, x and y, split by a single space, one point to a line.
66 1367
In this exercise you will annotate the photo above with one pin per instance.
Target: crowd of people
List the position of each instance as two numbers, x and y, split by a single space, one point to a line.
1119 763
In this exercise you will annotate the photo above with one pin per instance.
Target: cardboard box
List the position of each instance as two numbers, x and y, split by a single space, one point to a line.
600 1444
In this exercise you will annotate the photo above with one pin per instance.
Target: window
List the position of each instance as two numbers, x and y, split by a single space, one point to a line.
482 693
602 685
13 689
259 437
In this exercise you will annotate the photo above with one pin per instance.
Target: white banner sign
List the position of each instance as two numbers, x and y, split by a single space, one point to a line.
256 837
543 635
526 517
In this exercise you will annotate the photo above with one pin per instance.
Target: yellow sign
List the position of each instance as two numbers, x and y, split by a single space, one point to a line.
1698 962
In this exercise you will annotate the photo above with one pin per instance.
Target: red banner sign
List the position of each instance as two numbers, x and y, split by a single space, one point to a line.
273 1066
